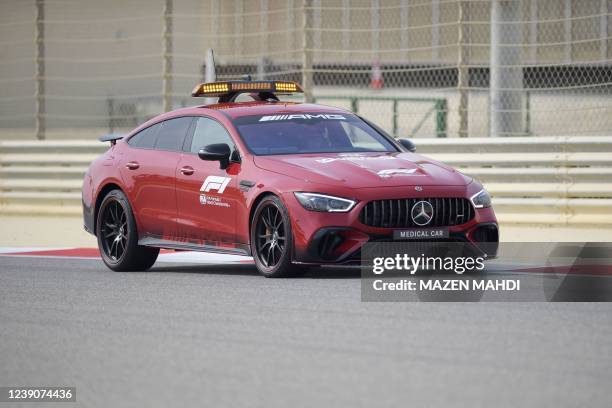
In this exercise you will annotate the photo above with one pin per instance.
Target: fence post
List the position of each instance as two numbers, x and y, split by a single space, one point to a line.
167 53
567 30
354 104
441 114
307 80
210 72
263 39
374 25
463 80
527 113
214 23
603 29
40 70
110 104
435 30
395 129
506 87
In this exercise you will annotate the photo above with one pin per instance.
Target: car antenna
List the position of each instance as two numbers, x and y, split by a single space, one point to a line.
210 73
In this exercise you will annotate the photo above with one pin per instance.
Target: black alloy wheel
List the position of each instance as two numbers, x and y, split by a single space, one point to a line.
272 240
118 236
114 230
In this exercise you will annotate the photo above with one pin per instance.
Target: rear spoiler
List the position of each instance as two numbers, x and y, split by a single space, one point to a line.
111 137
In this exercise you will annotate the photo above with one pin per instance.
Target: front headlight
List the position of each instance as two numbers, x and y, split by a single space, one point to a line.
324 203
481 199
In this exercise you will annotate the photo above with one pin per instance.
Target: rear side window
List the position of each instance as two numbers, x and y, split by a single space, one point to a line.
145 138
209 131
172 134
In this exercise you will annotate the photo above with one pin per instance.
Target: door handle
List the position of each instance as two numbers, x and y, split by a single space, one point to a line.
187 170
132 165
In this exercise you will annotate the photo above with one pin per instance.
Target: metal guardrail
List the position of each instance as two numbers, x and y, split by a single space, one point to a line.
533 180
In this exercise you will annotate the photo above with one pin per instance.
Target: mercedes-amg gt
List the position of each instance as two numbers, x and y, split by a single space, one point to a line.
290 184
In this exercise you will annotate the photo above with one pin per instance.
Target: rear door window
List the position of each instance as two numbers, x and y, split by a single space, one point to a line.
146 138
173 133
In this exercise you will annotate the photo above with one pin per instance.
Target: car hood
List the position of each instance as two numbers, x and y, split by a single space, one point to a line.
363 170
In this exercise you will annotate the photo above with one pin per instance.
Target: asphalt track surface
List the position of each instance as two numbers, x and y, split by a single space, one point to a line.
202 335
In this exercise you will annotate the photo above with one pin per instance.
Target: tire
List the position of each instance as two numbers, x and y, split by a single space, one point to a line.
118 237
272 239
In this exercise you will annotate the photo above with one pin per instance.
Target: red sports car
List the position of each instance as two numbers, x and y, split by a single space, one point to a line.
291 184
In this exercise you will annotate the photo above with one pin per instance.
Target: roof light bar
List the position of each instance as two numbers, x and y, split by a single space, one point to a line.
227 88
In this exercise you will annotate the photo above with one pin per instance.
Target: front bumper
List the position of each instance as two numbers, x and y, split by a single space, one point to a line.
336 238
343 245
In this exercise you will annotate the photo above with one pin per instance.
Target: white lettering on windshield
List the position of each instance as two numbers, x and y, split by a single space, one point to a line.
301 116
325 160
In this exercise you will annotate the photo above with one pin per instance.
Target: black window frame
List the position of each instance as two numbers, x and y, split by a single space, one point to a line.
160 123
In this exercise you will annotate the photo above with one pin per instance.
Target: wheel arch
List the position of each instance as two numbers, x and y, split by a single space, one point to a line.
107 188
255 203
259 198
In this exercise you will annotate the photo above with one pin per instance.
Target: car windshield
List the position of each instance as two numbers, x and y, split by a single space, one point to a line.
310 133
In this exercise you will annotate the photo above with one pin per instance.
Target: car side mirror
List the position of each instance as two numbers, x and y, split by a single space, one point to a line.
408 145
216 152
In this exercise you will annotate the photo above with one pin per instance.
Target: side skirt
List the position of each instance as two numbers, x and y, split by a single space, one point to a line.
239 249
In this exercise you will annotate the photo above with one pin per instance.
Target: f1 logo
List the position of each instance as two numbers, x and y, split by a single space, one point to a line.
215 183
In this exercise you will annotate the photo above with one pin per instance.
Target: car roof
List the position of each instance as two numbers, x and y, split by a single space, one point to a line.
238 109
235 110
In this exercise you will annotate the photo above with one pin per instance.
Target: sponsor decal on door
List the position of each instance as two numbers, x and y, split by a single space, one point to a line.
215 183
212 184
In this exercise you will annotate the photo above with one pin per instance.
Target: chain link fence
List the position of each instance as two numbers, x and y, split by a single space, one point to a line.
445 68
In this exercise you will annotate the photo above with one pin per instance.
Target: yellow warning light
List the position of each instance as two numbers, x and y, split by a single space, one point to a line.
251 86
287 87
228 88
216 87
211 89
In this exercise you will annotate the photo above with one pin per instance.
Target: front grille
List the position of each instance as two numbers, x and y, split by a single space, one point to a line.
396 213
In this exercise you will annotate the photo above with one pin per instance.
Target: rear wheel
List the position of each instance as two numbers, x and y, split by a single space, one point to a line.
118 237
272 239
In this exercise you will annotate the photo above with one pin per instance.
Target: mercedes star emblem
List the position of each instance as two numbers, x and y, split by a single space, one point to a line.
422 213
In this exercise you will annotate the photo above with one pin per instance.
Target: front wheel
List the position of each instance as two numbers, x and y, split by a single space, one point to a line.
118 238
272 239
